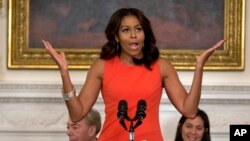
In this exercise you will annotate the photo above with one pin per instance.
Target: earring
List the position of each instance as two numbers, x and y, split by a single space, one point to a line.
117 46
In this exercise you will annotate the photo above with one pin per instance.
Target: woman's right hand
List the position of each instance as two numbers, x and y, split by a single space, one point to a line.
59 58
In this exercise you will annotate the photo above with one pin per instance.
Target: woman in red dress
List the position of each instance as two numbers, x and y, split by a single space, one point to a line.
130 68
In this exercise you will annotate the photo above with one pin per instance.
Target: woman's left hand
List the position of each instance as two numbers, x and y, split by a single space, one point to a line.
201 59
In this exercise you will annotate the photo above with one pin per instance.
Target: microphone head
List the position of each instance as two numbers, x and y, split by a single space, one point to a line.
141 109
122 105
122 109
122 112
140 113
142 104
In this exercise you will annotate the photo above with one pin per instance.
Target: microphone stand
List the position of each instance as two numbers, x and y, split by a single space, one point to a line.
132 128
131 131
139 116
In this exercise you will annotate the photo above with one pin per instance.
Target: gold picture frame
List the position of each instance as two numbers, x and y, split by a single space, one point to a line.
21 56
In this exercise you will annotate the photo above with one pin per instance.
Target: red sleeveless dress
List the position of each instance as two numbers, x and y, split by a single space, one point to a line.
131 83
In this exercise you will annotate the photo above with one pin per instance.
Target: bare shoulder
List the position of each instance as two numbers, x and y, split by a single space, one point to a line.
166 67
164 63
98 61
97 67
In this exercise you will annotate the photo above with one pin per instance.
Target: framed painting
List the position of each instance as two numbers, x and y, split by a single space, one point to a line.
183 30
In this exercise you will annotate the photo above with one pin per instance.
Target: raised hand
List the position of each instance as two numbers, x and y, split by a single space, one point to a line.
201 59
59 58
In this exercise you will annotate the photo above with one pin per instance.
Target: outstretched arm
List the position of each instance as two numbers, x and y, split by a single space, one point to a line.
186 103
192 100
79 106
62 63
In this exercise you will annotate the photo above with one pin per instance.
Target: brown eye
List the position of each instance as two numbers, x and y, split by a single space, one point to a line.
125 30
138 29
189 126
200 128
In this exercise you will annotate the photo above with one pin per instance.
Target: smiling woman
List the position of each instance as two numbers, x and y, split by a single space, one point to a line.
195 129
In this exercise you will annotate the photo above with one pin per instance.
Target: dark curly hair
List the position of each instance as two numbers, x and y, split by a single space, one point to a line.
150 51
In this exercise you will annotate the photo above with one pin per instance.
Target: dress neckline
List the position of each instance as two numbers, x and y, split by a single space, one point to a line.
125 64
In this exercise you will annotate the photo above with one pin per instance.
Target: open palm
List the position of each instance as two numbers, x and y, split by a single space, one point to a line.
59 58
201 59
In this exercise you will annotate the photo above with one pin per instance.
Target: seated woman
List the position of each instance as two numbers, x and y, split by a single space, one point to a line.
195 129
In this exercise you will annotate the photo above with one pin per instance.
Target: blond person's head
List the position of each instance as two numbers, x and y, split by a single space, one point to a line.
86 129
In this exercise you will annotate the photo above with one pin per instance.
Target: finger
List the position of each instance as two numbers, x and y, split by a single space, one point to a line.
63 54
218 44
47 45
213 48
44 43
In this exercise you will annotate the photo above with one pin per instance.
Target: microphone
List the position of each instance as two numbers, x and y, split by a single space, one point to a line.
141 110
140 113
122 112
